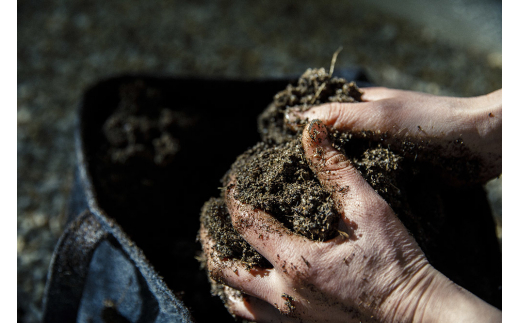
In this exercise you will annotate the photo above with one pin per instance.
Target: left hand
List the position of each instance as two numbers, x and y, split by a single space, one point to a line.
424 126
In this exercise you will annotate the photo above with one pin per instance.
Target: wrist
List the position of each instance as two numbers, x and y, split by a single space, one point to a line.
407 300
429 296
444 301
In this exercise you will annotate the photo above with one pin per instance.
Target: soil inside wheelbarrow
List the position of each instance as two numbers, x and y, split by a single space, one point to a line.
162 148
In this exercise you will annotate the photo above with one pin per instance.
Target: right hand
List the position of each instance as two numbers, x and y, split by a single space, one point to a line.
375 272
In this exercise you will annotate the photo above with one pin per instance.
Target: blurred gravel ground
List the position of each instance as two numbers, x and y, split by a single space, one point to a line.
66 46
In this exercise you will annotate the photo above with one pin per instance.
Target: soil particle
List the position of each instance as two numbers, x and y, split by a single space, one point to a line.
288 303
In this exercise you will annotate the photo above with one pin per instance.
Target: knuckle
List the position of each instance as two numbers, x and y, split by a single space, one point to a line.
374 204
339 116
334 112
336 161
328 113
332 163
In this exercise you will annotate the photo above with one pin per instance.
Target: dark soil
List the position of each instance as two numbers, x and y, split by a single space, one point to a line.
144 132
275 177
278 180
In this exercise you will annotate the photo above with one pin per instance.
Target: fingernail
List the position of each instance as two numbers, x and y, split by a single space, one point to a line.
317 131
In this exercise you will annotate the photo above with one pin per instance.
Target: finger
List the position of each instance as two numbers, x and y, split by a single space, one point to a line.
262 231
352 194
254 309
378 93
232 272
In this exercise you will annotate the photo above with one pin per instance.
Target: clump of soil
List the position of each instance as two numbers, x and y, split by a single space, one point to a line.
274 175
314 87
381 167
278 180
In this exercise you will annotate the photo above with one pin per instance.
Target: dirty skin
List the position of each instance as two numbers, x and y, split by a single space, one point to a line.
274 175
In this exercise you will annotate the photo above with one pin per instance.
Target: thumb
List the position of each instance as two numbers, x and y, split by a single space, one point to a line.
337 174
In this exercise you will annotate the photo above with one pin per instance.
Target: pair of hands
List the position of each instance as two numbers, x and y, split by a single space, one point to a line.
378 273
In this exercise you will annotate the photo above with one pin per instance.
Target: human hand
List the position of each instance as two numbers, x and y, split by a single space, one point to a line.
374 272
424 126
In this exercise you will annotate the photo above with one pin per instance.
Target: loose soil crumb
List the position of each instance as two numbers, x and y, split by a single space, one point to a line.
289 302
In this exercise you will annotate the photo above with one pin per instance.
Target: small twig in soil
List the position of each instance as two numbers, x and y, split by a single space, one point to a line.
331 70
322 86
333 62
